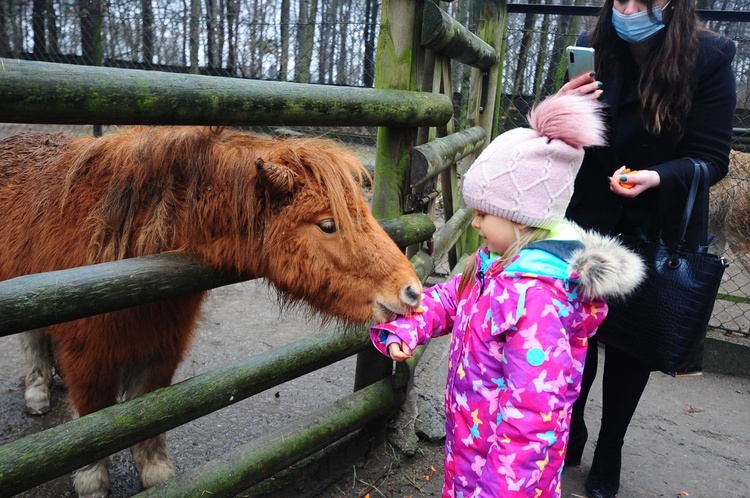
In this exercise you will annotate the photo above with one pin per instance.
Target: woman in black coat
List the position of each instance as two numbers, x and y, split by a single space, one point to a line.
670 94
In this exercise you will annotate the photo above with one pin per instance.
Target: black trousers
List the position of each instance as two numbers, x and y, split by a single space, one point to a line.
624 381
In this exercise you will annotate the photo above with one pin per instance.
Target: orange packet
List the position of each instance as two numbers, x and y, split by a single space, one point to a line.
625 184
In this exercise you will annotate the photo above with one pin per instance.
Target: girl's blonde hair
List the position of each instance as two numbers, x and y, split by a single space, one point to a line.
524 237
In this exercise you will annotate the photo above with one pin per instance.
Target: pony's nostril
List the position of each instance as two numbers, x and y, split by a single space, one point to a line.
410 295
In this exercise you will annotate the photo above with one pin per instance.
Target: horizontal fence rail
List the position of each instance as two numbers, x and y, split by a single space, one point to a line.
250 464
446 36
430 159
54 452
45 92
38 300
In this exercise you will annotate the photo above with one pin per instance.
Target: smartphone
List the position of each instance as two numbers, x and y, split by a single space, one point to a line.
580 61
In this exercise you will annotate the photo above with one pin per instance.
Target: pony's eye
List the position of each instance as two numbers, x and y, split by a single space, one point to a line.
327 225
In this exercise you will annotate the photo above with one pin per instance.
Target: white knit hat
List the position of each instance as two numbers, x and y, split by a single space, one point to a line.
527 175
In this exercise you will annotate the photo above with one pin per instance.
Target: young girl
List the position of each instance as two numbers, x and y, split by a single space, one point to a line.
523 310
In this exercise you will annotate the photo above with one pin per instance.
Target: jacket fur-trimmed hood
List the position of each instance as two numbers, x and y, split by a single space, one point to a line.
600 264
606 269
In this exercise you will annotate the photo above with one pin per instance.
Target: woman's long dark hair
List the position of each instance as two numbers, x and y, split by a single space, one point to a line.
668 76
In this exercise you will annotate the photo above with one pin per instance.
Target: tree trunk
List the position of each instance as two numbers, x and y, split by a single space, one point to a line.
148 31
284 33
195 15
211 46
232 27
542 56
371 17
90 12
53 46
523 53
4 38
37 25
344 17
305 38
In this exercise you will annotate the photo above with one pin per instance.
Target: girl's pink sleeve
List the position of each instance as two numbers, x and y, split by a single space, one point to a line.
537 363
433 318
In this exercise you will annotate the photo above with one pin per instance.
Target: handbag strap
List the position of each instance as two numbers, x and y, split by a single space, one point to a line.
700 175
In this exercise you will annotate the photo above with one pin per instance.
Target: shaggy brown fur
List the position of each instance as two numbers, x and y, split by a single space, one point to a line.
729 214
288 210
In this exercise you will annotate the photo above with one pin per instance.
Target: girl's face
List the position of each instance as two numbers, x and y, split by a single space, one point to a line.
629 7
498 233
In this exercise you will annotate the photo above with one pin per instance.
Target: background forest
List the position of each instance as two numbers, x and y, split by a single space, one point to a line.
310 41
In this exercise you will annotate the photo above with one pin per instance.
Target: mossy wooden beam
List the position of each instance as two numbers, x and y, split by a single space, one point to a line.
251 463
37 458
33 301
409 229
41 92
444 239
42 299
448 37
430 159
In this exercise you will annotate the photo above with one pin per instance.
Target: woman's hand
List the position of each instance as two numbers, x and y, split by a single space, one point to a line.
584 84
629 183
399 351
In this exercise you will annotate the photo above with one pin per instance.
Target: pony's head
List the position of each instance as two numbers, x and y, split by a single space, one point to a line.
321 243
307 229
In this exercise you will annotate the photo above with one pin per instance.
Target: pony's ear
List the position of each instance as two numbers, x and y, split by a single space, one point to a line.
281 181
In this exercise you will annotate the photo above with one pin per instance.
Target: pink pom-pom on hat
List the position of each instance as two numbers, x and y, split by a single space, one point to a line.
527 175
576 120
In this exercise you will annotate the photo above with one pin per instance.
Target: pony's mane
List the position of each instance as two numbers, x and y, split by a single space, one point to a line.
165 187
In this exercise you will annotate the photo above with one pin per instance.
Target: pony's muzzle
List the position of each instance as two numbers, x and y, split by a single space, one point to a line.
411 295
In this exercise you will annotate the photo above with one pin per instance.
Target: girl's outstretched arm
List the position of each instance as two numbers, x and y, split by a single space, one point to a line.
434 318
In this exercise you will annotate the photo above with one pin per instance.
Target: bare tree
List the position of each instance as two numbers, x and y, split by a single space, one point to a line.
5 50
90 12
147 21
232 28
344 17
195 15
308 10
284 34
37 25
53 45
371 16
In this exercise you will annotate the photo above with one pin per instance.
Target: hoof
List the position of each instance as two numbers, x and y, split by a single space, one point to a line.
37 401
92 481
156 473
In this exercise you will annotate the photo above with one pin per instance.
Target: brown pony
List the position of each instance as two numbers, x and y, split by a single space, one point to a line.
288 210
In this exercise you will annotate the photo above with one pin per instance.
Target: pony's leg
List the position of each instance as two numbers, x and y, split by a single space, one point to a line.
150 456
37 348
92 382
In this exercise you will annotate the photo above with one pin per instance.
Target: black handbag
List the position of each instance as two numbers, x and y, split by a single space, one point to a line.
663 323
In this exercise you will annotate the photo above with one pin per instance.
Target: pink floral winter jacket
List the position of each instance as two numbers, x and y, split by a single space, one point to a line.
516 357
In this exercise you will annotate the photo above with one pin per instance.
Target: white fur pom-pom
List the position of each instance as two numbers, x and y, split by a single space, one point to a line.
574 119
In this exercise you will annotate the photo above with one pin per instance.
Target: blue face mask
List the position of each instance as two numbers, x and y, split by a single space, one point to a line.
638 27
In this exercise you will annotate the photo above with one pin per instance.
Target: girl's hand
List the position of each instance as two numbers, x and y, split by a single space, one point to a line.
627 183
584 84
399 351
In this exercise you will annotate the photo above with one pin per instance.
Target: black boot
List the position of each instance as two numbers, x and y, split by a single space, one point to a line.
576 445
604 477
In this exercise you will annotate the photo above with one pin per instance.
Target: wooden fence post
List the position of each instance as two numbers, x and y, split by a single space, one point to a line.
398 66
